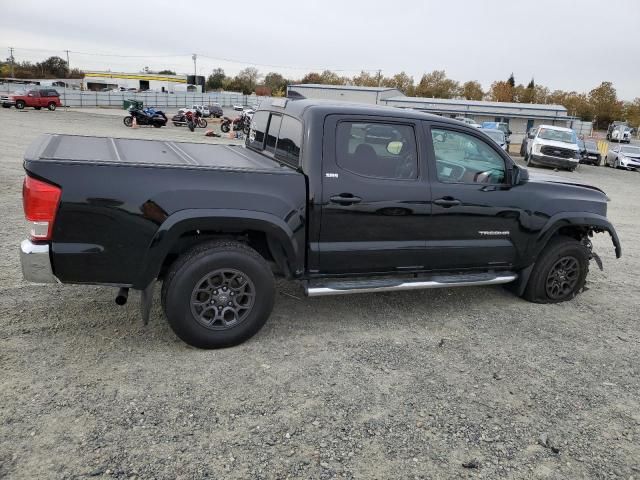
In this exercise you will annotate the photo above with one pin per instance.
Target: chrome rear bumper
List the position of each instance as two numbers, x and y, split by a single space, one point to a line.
36 265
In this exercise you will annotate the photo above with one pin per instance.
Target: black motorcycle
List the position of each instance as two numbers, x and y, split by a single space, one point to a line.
243 122
190 119
156 118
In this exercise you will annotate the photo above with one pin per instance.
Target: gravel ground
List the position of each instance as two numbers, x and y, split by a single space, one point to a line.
471 383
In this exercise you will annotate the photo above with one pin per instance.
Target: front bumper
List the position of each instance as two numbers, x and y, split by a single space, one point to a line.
36 265
8 103
555 161
629 164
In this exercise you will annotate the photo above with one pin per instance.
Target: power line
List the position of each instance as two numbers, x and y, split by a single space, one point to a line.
219 59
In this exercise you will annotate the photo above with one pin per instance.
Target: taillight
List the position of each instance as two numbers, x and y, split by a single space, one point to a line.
40 201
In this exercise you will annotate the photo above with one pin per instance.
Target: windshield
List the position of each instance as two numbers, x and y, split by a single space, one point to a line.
631 150
557 135
495 135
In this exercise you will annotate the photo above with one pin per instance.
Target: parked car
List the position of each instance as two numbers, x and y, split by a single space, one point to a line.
531 134
216 110
504 126
620 134
620 156
238 108
37 98
497 136
325 207
469 121
615 124
589 152
554 147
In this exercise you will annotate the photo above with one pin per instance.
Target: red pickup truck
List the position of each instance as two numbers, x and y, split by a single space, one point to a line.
45 97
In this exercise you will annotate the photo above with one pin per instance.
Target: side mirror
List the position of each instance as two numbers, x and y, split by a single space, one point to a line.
509 132
519 175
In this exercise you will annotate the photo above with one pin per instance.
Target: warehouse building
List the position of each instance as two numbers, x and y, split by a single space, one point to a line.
103 81
519 116
345 93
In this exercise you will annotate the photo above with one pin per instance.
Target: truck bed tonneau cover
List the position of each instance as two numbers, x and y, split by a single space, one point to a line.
127 151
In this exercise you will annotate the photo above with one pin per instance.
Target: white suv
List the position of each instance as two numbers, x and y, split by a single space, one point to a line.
553 146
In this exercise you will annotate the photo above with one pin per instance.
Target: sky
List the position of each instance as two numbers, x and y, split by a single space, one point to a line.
562 44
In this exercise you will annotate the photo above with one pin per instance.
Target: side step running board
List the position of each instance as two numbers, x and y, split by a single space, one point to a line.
368 285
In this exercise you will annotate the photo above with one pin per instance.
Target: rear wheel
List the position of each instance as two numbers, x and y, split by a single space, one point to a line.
225 128
51 106
559 273
20 104
202 123
128 121
219 294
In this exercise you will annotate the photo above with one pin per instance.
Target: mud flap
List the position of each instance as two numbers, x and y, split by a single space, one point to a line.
146 299
597 259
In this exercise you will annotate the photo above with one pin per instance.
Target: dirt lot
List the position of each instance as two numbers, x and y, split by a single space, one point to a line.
402 385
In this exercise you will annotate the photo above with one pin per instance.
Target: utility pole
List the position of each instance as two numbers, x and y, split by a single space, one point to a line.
68 65
11 58
379 77
195 70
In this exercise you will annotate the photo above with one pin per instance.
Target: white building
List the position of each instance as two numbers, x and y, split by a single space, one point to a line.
345 93
101 81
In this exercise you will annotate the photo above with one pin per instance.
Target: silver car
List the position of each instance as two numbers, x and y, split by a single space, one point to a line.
623 156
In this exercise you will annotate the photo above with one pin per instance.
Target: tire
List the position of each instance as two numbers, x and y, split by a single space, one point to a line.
202 123
176 124
560 271
128 121
37 108
225 128
182 300
529 161
616 165
20 105
191 126
51 106
246 130
157 125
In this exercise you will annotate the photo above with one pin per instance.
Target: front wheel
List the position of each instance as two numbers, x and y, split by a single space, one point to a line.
225 128
246 129
20 105
51 106
191 126
218 295
559 273
128 121
202 123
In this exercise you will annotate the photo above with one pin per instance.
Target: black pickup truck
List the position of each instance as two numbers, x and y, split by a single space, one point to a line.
345 198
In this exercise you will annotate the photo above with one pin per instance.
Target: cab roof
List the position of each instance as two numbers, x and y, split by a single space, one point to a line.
300 108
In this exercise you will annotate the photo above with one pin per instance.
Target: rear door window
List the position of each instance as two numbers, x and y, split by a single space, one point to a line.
272 133
258 130
289 141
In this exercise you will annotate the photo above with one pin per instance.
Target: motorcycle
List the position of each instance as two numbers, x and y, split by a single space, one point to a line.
157 119
243 122
153 111
190 119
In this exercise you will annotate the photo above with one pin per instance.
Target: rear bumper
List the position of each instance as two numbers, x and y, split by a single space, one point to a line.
36 264
8 103
555 161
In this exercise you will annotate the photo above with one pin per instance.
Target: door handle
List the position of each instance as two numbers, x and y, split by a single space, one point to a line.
447 202
345 199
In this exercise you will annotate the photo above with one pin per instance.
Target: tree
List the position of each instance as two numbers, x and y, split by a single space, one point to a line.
248 79
604 102
166 72
275 81
401 81
501 92
216 80
632 112
331 78
437 85
472 90
311 77
511 80
52 67
365 79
